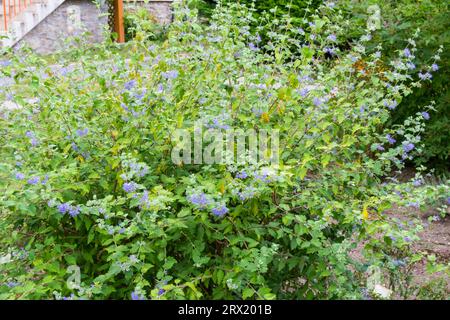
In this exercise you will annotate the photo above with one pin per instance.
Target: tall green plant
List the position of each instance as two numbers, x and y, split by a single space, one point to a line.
398 20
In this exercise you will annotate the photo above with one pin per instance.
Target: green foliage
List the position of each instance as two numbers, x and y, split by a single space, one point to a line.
297 9
399 20
87 178
436 289
205 7
141 24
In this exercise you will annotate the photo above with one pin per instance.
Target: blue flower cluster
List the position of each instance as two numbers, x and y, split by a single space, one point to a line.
82 132
137 296
390 139
33 140
129 187
220 211
202 201
172 74
64 208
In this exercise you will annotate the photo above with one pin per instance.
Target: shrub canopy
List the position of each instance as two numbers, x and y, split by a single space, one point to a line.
87 180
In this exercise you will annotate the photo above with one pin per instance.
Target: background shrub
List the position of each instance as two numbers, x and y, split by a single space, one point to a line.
139 22
399 20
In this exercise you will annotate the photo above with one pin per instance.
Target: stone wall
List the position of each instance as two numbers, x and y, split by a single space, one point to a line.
74 16
69 19
160 9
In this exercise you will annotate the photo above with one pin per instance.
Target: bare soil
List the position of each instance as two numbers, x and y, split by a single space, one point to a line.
434 239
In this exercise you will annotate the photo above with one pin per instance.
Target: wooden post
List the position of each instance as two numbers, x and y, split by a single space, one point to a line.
118 20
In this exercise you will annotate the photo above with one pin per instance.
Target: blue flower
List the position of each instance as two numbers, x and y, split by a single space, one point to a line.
33 180
414 205
261 86
143 201
63 208
417 183
391 105
332 37
75 147
138 169
425 76
398 263
5 63
45 180
434 67
161 292
172 74
136 296
408 147
130 85
411 66
129 187
304 92
248 193
252 46
425 115
29 134
435 218
407 53
199 200
20 176
67 208
317 102
390 139
242 175
82 132
220 211
12 284
361 109
328 50
34 142
74 211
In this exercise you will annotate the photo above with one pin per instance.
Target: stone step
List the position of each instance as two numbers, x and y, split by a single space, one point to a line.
24 22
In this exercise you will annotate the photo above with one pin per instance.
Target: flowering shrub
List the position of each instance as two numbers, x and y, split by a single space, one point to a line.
397 19
87 182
